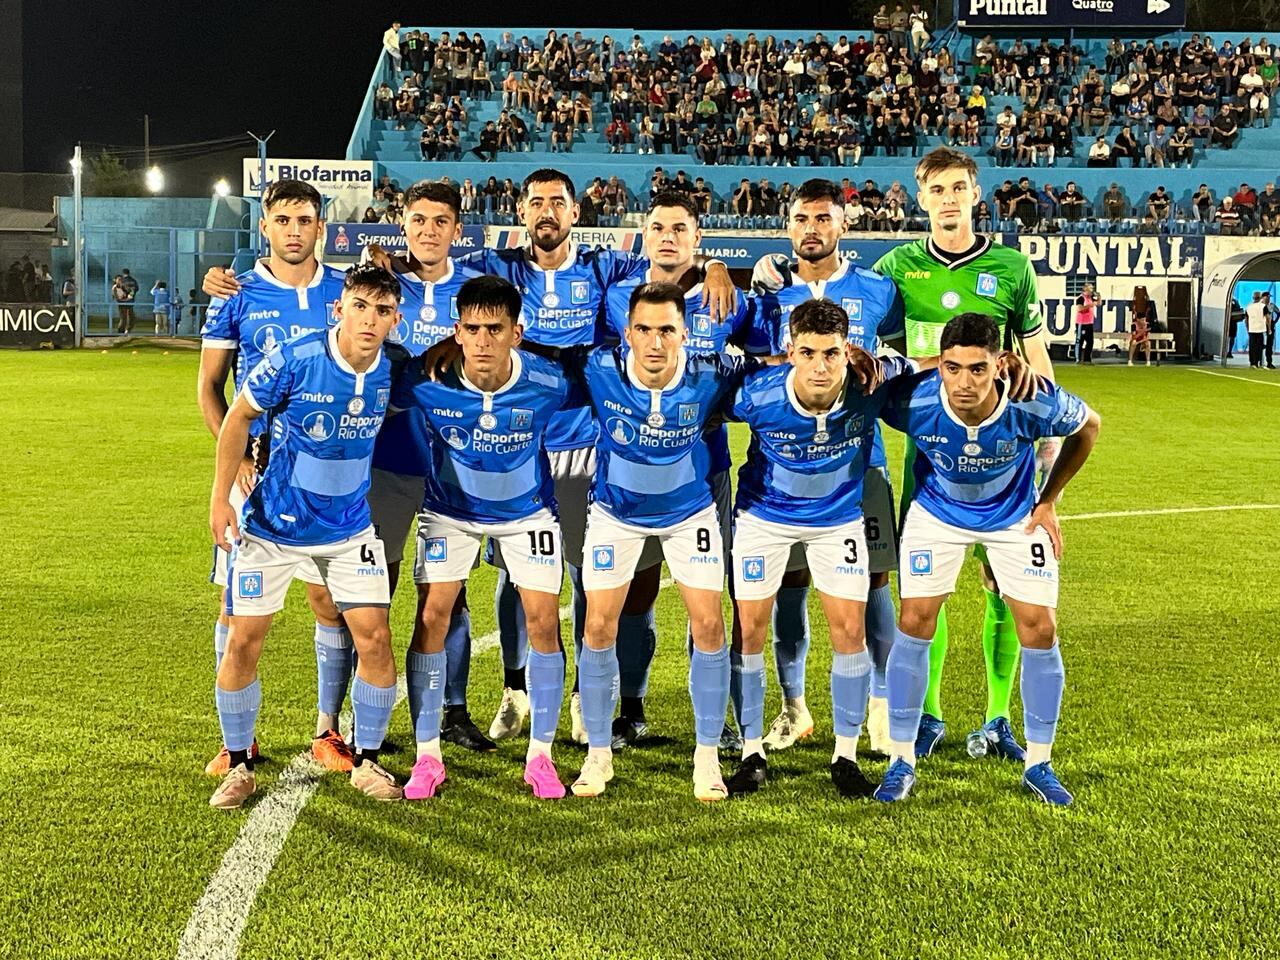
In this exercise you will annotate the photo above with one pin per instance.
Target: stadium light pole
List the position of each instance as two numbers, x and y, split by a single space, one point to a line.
261 241
77 232
155 179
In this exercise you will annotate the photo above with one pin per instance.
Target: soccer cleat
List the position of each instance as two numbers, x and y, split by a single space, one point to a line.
540 773
749 777
594 775
708 785
513 711
459 729
999 740
730 742
849 779
371 780
930 734
428 774
236 787
577 729
220 764
897 783
788 727
878 726
628 731
331 752
1044 783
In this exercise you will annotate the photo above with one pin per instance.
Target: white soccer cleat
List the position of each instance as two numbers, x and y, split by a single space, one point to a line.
236 787
878 725
708 785
577 729
513 711
596 773
788 727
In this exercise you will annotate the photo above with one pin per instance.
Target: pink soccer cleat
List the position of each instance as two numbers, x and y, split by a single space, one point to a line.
540 773
428 774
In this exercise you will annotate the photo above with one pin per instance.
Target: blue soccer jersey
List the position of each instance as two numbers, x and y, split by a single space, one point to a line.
652 467
978 478
265 313
488 463
805 469
561 310
872 302
322 418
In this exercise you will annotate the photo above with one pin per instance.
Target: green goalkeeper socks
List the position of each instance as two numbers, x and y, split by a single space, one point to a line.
1000 650
937 653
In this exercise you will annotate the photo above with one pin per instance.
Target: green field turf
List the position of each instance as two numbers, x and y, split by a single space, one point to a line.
1170 632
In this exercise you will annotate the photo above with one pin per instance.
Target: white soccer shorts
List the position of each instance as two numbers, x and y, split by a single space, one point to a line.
722 495
572 472
307 571
531 550
354 570
933 552
394 500
837 557
879 520
692 548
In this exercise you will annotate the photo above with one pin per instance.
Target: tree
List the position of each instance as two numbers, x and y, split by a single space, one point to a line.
106 176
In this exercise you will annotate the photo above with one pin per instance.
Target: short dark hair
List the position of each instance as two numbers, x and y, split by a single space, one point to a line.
971 330
819 316
547 175
674 198
372 279
292 191
489 294
656 293
437 192
818 189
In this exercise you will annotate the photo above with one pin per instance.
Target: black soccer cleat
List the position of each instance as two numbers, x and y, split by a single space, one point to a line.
749 777
849 779
457 728
628 731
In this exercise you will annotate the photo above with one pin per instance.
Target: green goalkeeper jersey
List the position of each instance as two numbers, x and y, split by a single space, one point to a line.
992 279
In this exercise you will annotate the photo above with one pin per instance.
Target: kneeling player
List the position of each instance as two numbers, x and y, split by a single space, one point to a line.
325 395
486 417
975 484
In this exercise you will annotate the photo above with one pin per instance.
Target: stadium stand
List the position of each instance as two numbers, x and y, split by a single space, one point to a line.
624 111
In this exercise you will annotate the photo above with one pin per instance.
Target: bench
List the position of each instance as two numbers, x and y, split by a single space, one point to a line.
1161 343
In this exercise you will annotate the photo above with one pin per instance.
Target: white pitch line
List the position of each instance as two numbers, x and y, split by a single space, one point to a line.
1232 376
1168 510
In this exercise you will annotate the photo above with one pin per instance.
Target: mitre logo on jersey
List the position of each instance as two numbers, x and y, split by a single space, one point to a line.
310 396
853 307
987 285
319 426
521 418
916 275
579 292
688 414
263 315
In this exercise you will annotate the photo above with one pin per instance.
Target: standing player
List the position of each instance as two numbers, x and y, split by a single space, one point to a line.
949 272
802 486
815 225
325 394
975 484
283 296
486 416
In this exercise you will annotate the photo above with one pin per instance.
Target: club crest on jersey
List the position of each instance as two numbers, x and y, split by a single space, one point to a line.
250 585
853 307
453 308
753 569
1006 448
987 284
435 550
355 406
920 563
551 299
621 431
382 399
951 299
972 449
688 413
579 292
521 418
318 426
702 324
427 313
455 437
602 557
856 423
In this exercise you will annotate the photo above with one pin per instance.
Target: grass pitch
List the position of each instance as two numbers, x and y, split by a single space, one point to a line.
1169 627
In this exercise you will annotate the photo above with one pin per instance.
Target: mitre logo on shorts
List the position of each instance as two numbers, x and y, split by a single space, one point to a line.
250 585
435 550
753 569
602 557
921 563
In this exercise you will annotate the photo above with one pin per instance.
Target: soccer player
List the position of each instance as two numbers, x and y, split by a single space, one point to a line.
286 294
802 486
975 484
325 394
652 476
815 225
953 271
486 416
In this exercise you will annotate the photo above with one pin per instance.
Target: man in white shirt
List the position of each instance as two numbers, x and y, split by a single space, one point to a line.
391 43
1255 318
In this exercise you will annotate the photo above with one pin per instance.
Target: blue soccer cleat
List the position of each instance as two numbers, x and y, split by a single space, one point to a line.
897 783
1044 783
930 734
995 739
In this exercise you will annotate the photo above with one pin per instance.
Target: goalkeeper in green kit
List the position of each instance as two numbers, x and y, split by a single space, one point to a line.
954 271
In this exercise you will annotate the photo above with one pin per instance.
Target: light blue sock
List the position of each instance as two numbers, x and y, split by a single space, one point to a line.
511 629
598 684
424 675
850 685
748 681
220 632
709 691
333 667
791 639
457 645
544 677
881 626
908 679
637 641
1043 679
372 708
238 713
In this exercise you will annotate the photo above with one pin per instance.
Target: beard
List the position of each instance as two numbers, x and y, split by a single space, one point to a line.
814 254
547 241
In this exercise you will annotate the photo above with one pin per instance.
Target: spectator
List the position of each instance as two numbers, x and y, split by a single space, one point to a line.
982 219
129 286
1114 203
919 20
899 24
118 293
562 133
1026 204
1158 204
1255 318
1087 306
702 195
1141 313
1126 146
1181 148
384 102
1228 217
618 134
391 44
1269 212
1269 345
1158 145
1224 129
160 306
1072 203
467 196
370 215
1100 154
1246 201
69 291
1202 204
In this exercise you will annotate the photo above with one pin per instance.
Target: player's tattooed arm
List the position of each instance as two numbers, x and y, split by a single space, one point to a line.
231 446
1075 451
220 282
